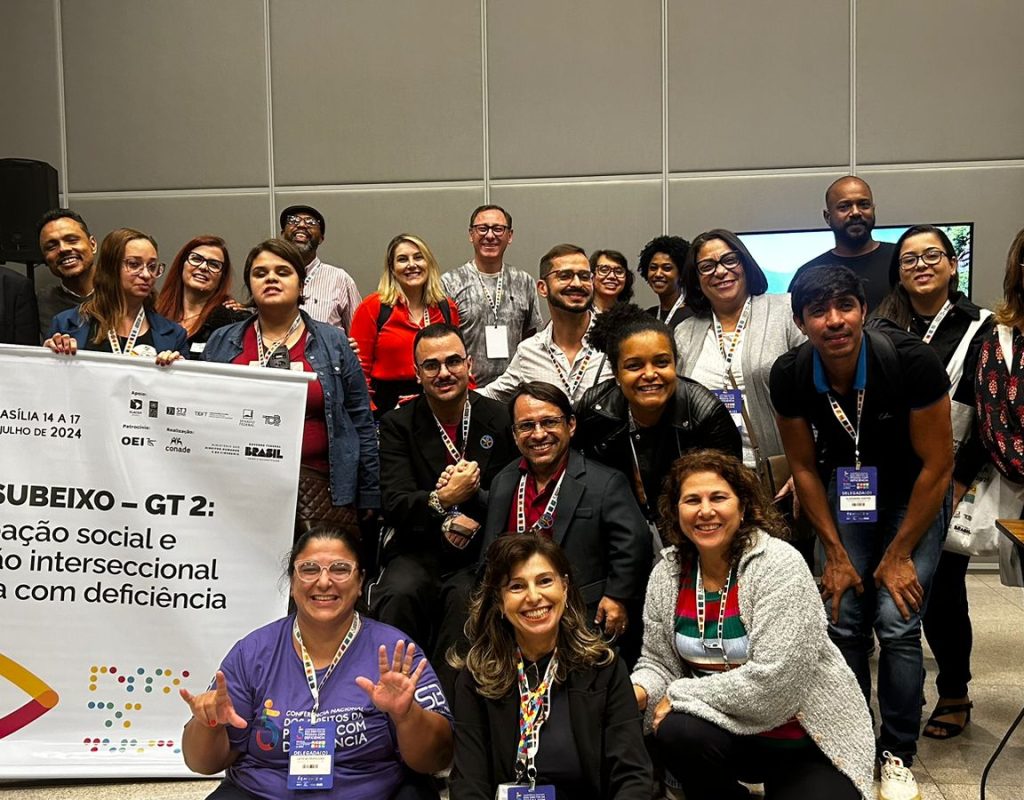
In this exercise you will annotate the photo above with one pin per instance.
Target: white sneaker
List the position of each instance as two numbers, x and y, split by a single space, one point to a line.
897 781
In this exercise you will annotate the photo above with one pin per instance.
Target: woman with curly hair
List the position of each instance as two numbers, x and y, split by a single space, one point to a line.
661 265
738 678
534 662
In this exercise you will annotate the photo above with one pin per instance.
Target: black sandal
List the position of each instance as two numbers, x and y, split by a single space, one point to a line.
950 729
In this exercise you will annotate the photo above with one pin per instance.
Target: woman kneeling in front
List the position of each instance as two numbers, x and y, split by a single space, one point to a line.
737 675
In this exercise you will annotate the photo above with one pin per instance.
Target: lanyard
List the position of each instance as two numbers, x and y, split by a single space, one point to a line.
534 706
547 519
264 355
675 307
307 662
570 383
638 481
946 308
701 604
844 420
453 451
728 354
494 302
133 335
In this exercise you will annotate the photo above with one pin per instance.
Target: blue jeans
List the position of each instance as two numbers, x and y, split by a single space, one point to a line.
861 617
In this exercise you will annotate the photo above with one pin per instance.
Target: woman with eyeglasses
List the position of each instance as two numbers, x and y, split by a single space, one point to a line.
925 299
197 286
661 265
362 685
120 317
338 476
613 282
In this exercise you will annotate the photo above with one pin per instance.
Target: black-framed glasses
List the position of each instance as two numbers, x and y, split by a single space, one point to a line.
548 424
930 257
337 571
197 261
307 222
483 230
566 275
432 366
604 270
731 261
134 266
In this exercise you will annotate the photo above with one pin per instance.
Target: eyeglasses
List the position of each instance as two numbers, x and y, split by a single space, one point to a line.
337 571
930 257
566 275
730 261
547 424
605 270
308 222
212 264
133 266
432 366
483 230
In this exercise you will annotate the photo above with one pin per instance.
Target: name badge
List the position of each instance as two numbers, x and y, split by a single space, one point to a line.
858 494
496 341
197 347
732 399
517 791
311 764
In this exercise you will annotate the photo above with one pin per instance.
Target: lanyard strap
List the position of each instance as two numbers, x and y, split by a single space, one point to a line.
453 451
638 480
264 355
946 308
307 662
730 352
574 378
844 420
494 302
133 335
718 644
534 706
547 519
675 307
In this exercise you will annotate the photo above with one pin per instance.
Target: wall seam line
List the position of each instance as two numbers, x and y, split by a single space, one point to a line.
270 120
485 129
664 118
853 87
62 113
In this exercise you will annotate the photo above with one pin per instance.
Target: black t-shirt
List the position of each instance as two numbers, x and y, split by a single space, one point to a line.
104 346
872 268
558 759
914 380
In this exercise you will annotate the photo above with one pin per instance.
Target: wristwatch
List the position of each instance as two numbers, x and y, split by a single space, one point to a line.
434 503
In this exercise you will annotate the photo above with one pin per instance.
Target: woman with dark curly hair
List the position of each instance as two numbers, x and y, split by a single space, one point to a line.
534 661
661 265
613 282
738 678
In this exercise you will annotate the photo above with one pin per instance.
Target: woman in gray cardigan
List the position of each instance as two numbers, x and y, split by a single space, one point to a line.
737 677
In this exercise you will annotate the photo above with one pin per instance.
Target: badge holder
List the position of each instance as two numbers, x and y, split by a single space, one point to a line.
496 341
311 764
858 494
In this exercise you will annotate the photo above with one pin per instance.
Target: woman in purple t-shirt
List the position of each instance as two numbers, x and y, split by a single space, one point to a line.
277 687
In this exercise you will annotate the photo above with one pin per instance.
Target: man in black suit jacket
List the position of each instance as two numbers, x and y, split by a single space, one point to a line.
429 553
19 319
584 506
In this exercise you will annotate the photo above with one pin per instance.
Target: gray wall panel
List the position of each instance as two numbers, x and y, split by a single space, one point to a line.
28 79
375 92
760 85
165 95
575 87
939 81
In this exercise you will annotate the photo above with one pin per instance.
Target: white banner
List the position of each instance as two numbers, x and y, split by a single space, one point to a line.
144 514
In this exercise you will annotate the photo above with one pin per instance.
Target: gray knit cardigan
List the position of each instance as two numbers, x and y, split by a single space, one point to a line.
794 669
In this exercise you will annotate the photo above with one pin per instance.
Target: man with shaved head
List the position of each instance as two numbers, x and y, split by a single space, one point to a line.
850 213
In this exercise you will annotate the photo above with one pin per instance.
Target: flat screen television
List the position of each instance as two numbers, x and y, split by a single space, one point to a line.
782 253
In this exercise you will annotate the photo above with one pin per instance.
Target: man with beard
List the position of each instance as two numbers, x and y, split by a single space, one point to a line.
68 250
850 213
330 293
429 554
559 353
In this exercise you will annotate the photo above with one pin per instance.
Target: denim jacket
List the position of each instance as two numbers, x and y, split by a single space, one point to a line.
352 439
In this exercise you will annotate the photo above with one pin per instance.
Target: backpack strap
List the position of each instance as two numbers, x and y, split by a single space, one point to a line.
384 315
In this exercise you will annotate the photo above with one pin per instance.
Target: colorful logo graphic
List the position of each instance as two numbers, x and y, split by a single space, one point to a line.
43 697
268 732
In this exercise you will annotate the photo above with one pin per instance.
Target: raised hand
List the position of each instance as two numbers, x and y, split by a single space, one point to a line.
394 691
214 708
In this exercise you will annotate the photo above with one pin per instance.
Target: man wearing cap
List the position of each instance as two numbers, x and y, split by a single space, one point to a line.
330 293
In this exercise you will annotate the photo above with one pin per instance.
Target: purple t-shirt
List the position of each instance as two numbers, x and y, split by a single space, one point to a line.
268 687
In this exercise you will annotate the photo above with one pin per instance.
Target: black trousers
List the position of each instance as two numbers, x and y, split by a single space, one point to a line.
708 761
415 787
947 625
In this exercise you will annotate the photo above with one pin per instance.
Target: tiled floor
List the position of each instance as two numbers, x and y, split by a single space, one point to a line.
945 770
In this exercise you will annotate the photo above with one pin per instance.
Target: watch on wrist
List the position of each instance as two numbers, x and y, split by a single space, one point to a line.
434 503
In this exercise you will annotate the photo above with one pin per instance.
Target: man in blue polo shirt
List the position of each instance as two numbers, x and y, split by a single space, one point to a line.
874 483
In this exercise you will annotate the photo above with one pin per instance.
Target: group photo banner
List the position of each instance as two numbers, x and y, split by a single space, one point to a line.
145 513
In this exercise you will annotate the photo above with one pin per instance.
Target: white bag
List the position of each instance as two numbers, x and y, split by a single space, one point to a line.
972 529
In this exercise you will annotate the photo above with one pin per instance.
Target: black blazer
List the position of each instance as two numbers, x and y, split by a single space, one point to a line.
19 318
412 456
597 523
605 725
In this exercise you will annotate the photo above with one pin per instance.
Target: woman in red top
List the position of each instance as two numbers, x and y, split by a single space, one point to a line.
408 298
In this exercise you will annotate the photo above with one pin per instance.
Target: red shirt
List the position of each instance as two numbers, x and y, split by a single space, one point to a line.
535 502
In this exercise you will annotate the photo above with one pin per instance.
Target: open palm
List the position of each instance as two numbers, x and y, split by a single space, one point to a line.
394 691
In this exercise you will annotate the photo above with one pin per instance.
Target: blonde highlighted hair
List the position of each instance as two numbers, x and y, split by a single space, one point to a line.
1010 311
107 306
390 291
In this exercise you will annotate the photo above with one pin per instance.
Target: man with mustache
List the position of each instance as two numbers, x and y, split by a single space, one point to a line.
330 293
559 353
850 213
874 483
68 249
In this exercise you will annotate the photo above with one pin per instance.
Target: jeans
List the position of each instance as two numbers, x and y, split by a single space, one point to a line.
862 617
